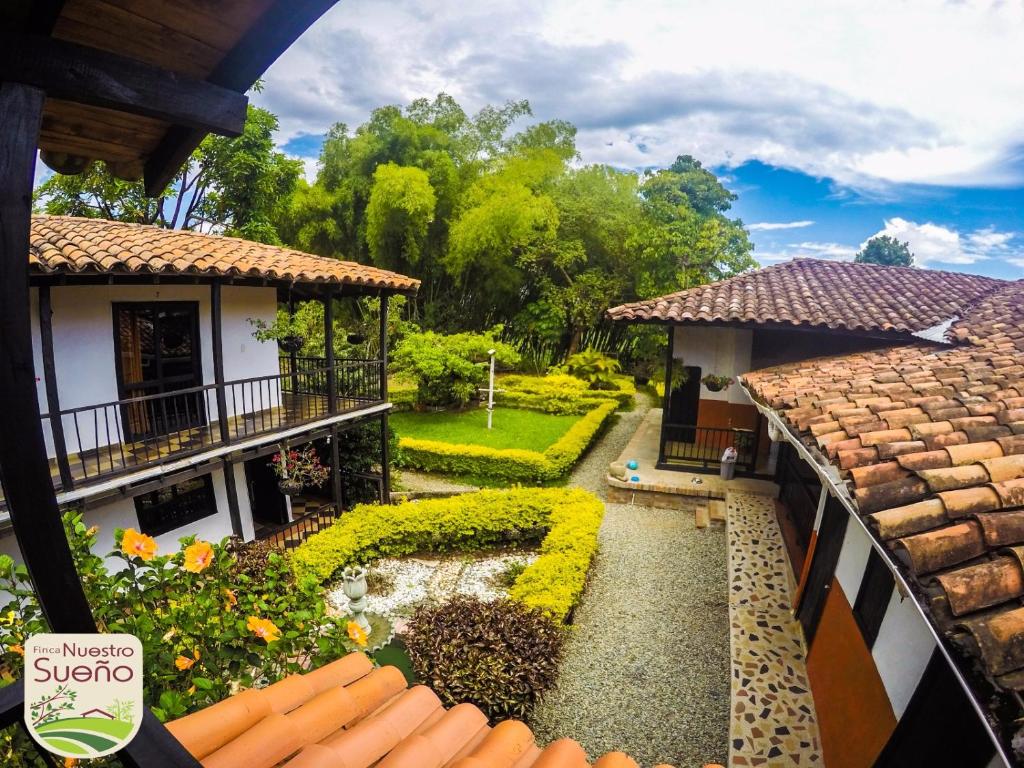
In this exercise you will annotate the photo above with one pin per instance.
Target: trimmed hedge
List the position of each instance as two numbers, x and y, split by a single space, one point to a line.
560 393
566 519
513 465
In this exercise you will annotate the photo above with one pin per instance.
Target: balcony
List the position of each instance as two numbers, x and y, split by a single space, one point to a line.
99 442
687 446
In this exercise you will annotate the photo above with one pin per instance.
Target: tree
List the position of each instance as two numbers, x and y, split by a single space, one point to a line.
231 186
398 215
886 251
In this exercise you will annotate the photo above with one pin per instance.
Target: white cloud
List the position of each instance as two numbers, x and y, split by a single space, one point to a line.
767 226
866 94
811 250
936 244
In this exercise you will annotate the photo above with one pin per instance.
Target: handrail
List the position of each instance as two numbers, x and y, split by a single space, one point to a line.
704 446
118 436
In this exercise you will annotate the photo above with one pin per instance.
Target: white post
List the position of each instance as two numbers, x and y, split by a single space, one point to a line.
490 393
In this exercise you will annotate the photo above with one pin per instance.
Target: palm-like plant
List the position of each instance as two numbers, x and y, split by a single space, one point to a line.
594 368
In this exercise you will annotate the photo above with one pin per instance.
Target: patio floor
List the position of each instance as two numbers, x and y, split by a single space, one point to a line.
643 448
773 719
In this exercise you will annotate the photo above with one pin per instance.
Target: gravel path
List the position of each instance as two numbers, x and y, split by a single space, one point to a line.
423 482
646 667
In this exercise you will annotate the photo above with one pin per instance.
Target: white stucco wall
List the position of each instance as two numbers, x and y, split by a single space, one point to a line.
902 650
721 351
120 513
853 559
85 352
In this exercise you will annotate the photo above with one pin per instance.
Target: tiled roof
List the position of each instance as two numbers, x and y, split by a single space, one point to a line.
930 440
826 294
350 715
68 245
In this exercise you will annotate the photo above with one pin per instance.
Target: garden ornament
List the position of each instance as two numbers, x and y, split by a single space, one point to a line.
355 590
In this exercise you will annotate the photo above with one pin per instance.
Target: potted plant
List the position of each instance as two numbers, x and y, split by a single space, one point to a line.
297 469
285 330
716 383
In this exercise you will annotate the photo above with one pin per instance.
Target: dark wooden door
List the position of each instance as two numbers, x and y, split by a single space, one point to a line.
823 567
158 354
939 726
269 506
684 405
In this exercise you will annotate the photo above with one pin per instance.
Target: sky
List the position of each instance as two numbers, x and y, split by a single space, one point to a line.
831 122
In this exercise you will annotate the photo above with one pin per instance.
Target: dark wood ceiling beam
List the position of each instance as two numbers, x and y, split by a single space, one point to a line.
265 41
43 16
89 76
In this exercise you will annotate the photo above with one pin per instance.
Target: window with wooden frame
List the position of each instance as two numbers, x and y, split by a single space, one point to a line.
172 507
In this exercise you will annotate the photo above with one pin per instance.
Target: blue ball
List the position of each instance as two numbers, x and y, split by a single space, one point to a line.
633 464
635 478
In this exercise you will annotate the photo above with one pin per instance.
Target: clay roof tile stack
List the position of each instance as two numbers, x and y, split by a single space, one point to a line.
930 440
77 246
349 714
863 298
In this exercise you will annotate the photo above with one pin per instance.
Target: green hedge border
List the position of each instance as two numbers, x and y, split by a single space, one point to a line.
512 465
568 519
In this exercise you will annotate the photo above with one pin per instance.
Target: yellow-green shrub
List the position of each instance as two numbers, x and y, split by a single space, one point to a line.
560 393
507 464
567 519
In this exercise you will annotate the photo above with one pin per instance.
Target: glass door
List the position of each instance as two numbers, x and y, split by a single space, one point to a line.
158 354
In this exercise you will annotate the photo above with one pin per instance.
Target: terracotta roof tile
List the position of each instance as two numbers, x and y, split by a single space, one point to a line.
77 246
350 715
949 501
824 294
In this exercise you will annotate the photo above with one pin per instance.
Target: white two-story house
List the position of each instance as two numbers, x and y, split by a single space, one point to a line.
160 408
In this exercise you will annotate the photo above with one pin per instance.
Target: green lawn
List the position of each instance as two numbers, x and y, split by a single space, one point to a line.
513 428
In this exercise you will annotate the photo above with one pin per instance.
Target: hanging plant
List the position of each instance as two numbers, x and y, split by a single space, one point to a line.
285 330
298 468
716 383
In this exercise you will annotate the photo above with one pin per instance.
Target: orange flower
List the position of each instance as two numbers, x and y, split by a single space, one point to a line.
70 762
138 545
264 629
183 662
232 600
17 649
198 556
357 634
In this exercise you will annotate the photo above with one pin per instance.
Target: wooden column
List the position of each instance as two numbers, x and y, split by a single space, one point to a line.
383 346
24 466
332 374
60 447
336 468
217 337
666 406
293 354
385 446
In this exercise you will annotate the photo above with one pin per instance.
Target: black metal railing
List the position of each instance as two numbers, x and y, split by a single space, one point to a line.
290 535
99 441
690 445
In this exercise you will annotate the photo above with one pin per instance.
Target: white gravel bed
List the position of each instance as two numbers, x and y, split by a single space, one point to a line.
417 580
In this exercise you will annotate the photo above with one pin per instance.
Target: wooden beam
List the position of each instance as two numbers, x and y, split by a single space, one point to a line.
667 399
278 27
24 466
385 460
42 17
217 326
101 79
332 373
60 447
336 468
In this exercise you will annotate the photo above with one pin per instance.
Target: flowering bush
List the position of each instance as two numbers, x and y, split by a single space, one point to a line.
207 627
300 466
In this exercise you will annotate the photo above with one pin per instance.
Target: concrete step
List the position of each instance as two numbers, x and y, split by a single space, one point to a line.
701 517
716 508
